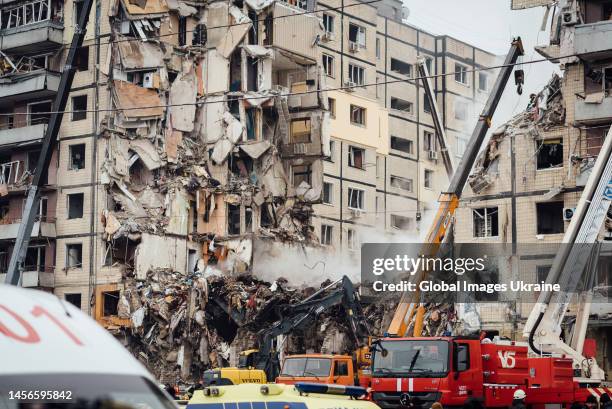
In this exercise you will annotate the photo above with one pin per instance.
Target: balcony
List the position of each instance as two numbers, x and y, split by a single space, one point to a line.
24 136
594 41
35 278
42 228
31 27
39 83
589 112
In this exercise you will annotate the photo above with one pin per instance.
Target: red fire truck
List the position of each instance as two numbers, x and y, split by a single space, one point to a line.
415 372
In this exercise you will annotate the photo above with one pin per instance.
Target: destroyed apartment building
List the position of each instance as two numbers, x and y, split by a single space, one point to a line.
194 132
234 155
194 128
529 177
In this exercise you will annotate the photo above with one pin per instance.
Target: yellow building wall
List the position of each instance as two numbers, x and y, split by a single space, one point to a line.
374 134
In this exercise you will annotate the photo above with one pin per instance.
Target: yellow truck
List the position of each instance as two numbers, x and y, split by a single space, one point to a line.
281 396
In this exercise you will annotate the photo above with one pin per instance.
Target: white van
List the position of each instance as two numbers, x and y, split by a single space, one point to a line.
52 355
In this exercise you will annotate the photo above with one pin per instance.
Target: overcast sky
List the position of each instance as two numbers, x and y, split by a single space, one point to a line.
490 24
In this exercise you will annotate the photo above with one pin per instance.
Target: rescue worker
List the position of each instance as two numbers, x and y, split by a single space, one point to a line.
605 401
518 399
591 402
171 391
577 405
436 405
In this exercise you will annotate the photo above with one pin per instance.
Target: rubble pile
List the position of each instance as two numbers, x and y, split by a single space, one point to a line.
545 110
184 324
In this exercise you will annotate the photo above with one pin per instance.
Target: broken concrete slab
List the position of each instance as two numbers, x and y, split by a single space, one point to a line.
139 55
135 101
151 9
232 38
221 150
183 93
147 153
255 150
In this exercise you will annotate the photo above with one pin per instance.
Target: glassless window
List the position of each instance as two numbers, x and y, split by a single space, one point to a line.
357 35
328 65
355 199
356 157
328 22
358 115
401 222
486 222
401 144
401 67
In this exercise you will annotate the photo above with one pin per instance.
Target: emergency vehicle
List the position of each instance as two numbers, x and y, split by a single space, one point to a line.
302 395
52 353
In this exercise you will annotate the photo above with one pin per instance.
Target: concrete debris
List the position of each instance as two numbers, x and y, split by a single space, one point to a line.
139 55
136 102
182 324
202 162
544 111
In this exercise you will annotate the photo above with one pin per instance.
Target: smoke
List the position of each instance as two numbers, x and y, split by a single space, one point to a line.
310 266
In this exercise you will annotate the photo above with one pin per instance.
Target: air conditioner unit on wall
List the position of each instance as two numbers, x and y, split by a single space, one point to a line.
353 47
569 16
350 85
568 213
432 155
356 212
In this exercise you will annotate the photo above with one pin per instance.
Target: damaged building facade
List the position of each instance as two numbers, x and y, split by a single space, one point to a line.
193 130
530 176
202 138
385 170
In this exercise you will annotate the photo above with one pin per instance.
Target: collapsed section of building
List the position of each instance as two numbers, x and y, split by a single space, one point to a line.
217 133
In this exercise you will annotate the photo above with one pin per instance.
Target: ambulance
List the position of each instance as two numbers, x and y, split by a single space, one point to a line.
302 395
52 355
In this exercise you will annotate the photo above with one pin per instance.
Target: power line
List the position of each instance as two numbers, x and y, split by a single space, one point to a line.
66 46
287 94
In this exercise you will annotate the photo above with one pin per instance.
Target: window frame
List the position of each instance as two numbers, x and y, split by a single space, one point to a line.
356 70
360 198
428 178
330 196
351 157
328 63
79 114
327 234
461 70
362 115
330 19
487 213
361 35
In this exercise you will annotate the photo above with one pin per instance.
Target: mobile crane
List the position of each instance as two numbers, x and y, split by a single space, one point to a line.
30 211
572 262
263 364
452 370
552 373
408 307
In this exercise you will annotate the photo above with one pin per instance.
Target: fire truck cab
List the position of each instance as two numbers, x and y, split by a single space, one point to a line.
451 370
